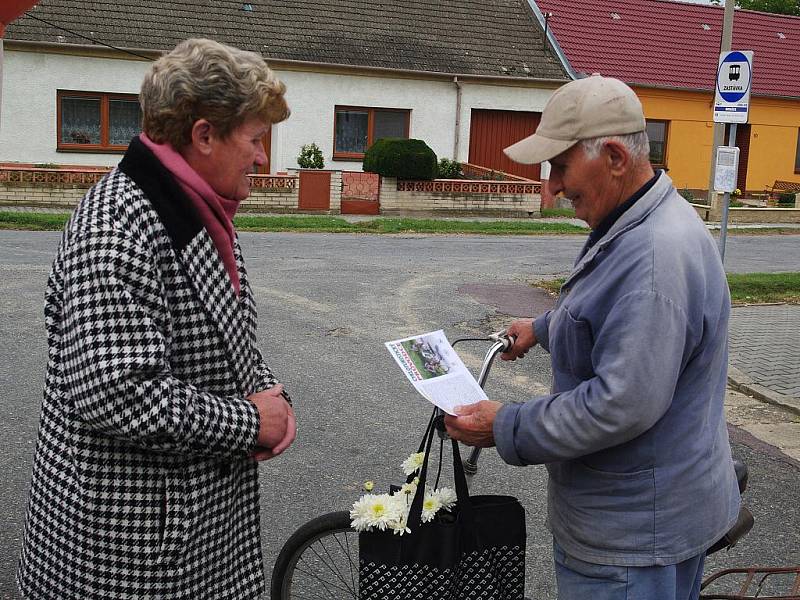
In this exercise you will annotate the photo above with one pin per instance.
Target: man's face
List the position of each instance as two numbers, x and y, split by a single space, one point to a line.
587 182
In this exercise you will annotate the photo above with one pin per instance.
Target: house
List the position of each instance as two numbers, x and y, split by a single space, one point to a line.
469 77
668 52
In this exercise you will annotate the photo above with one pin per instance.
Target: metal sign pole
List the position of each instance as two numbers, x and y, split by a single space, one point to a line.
723 225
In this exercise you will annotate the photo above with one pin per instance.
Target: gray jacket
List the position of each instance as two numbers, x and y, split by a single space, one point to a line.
634 434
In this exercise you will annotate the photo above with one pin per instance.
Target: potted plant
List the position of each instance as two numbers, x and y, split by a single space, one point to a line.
310 157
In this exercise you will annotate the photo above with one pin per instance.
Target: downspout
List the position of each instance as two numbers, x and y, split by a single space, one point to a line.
559 52
456 137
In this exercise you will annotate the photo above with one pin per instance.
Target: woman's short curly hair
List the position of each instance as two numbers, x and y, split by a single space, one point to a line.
203 79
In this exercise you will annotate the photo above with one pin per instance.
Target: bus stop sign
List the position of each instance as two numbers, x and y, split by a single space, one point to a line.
732 97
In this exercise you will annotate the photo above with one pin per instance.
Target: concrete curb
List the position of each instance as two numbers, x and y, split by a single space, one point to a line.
742 382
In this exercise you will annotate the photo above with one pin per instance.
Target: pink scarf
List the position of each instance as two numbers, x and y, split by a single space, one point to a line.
215 212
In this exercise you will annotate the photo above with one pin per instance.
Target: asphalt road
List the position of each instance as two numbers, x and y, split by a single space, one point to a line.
327 303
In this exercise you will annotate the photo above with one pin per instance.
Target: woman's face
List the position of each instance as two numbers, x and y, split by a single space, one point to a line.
231 159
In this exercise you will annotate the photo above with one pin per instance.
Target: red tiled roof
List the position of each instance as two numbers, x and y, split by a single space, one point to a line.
674 44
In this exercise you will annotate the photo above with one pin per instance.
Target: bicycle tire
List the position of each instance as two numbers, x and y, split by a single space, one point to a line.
319 560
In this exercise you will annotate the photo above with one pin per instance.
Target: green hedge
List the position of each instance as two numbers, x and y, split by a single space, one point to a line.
401 158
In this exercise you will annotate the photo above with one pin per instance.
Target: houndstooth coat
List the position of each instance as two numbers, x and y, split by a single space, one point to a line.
142 485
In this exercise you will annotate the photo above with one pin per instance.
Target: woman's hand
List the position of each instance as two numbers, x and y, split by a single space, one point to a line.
277 423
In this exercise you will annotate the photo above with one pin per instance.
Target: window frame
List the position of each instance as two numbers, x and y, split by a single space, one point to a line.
661 165
104 98
370 110
797 153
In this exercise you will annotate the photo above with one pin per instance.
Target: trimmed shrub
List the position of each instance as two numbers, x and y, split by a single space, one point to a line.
310 157
449 169
401 158
786 199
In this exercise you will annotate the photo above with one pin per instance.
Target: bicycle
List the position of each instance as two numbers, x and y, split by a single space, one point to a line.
324 551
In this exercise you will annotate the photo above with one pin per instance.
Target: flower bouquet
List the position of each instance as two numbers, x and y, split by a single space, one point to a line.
390 511
431 542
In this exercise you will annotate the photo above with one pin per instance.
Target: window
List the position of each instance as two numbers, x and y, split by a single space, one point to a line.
97 122
797 154
356 129
657 132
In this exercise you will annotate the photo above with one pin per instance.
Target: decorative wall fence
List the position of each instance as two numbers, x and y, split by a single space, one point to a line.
461 197
47 188
63 188
713 212
347 192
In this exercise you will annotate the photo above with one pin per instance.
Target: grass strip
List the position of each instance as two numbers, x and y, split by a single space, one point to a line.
39 221
32 221
746 288
764 288
402 225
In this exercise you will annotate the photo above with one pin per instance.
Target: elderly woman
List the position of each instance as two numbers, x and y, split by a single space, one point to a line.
157 403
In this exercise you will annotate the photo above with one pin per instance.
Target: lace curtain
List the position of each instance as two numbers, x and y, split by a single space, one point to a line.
124 121
351 131
80 120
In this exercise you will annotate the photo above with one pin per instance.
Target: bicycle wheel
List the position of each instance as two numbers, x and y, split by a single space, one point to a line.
319 560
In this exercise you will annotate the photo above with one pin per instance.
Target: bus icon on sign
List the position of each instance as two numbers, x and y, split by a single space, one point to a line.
734 72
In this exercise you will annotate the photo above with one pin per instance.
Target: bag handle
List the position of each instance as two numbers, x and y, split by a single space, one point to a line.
415 512
466 512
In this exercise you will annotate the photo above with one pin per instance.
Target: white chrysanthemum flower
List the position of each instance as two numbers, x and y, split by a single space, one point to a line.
430 506
408 490
413 463
400 525
373 510
447 497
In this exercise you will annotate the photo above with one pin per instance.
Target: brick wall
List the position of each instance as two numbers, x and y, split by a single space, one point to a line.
336 192
49 197
63 188
750 215
436 201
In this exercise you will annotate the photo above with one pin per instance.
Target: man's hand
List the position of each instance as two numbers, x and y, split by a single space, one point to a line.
524 339
278 427
473 423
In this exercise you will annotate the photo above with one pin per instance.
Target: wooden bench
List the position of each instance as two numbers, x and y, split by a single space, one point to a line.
781 187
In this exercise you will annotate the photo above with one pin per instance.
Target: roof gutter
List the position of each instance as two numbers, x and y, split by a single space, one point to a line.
551 38
275 62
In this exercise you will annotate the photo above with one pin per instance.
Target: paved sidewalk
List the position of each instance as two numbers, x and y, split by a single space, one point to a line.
765 353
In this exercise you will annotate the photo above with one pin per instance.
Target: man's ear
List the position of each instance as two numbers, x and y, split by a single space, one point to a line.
202 133
618 157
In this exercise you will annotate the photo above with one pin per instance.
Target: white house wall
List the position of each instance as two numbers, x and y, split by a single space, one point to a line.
28 118
30 81
313 97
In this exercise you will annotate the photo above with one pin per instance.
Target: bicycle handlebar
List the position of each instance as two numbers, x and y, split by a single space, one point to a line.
502 343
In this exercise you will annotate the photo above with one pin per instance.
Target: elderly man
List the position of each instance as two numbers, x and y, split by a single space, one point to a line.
641 480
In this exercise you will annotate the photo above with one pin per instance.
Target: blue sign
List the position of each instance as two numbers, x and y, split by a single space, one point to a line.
733 77
732 97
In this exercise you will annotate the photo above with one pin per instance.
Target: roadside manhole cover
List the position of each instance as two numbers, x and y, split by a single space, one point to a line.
514 299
